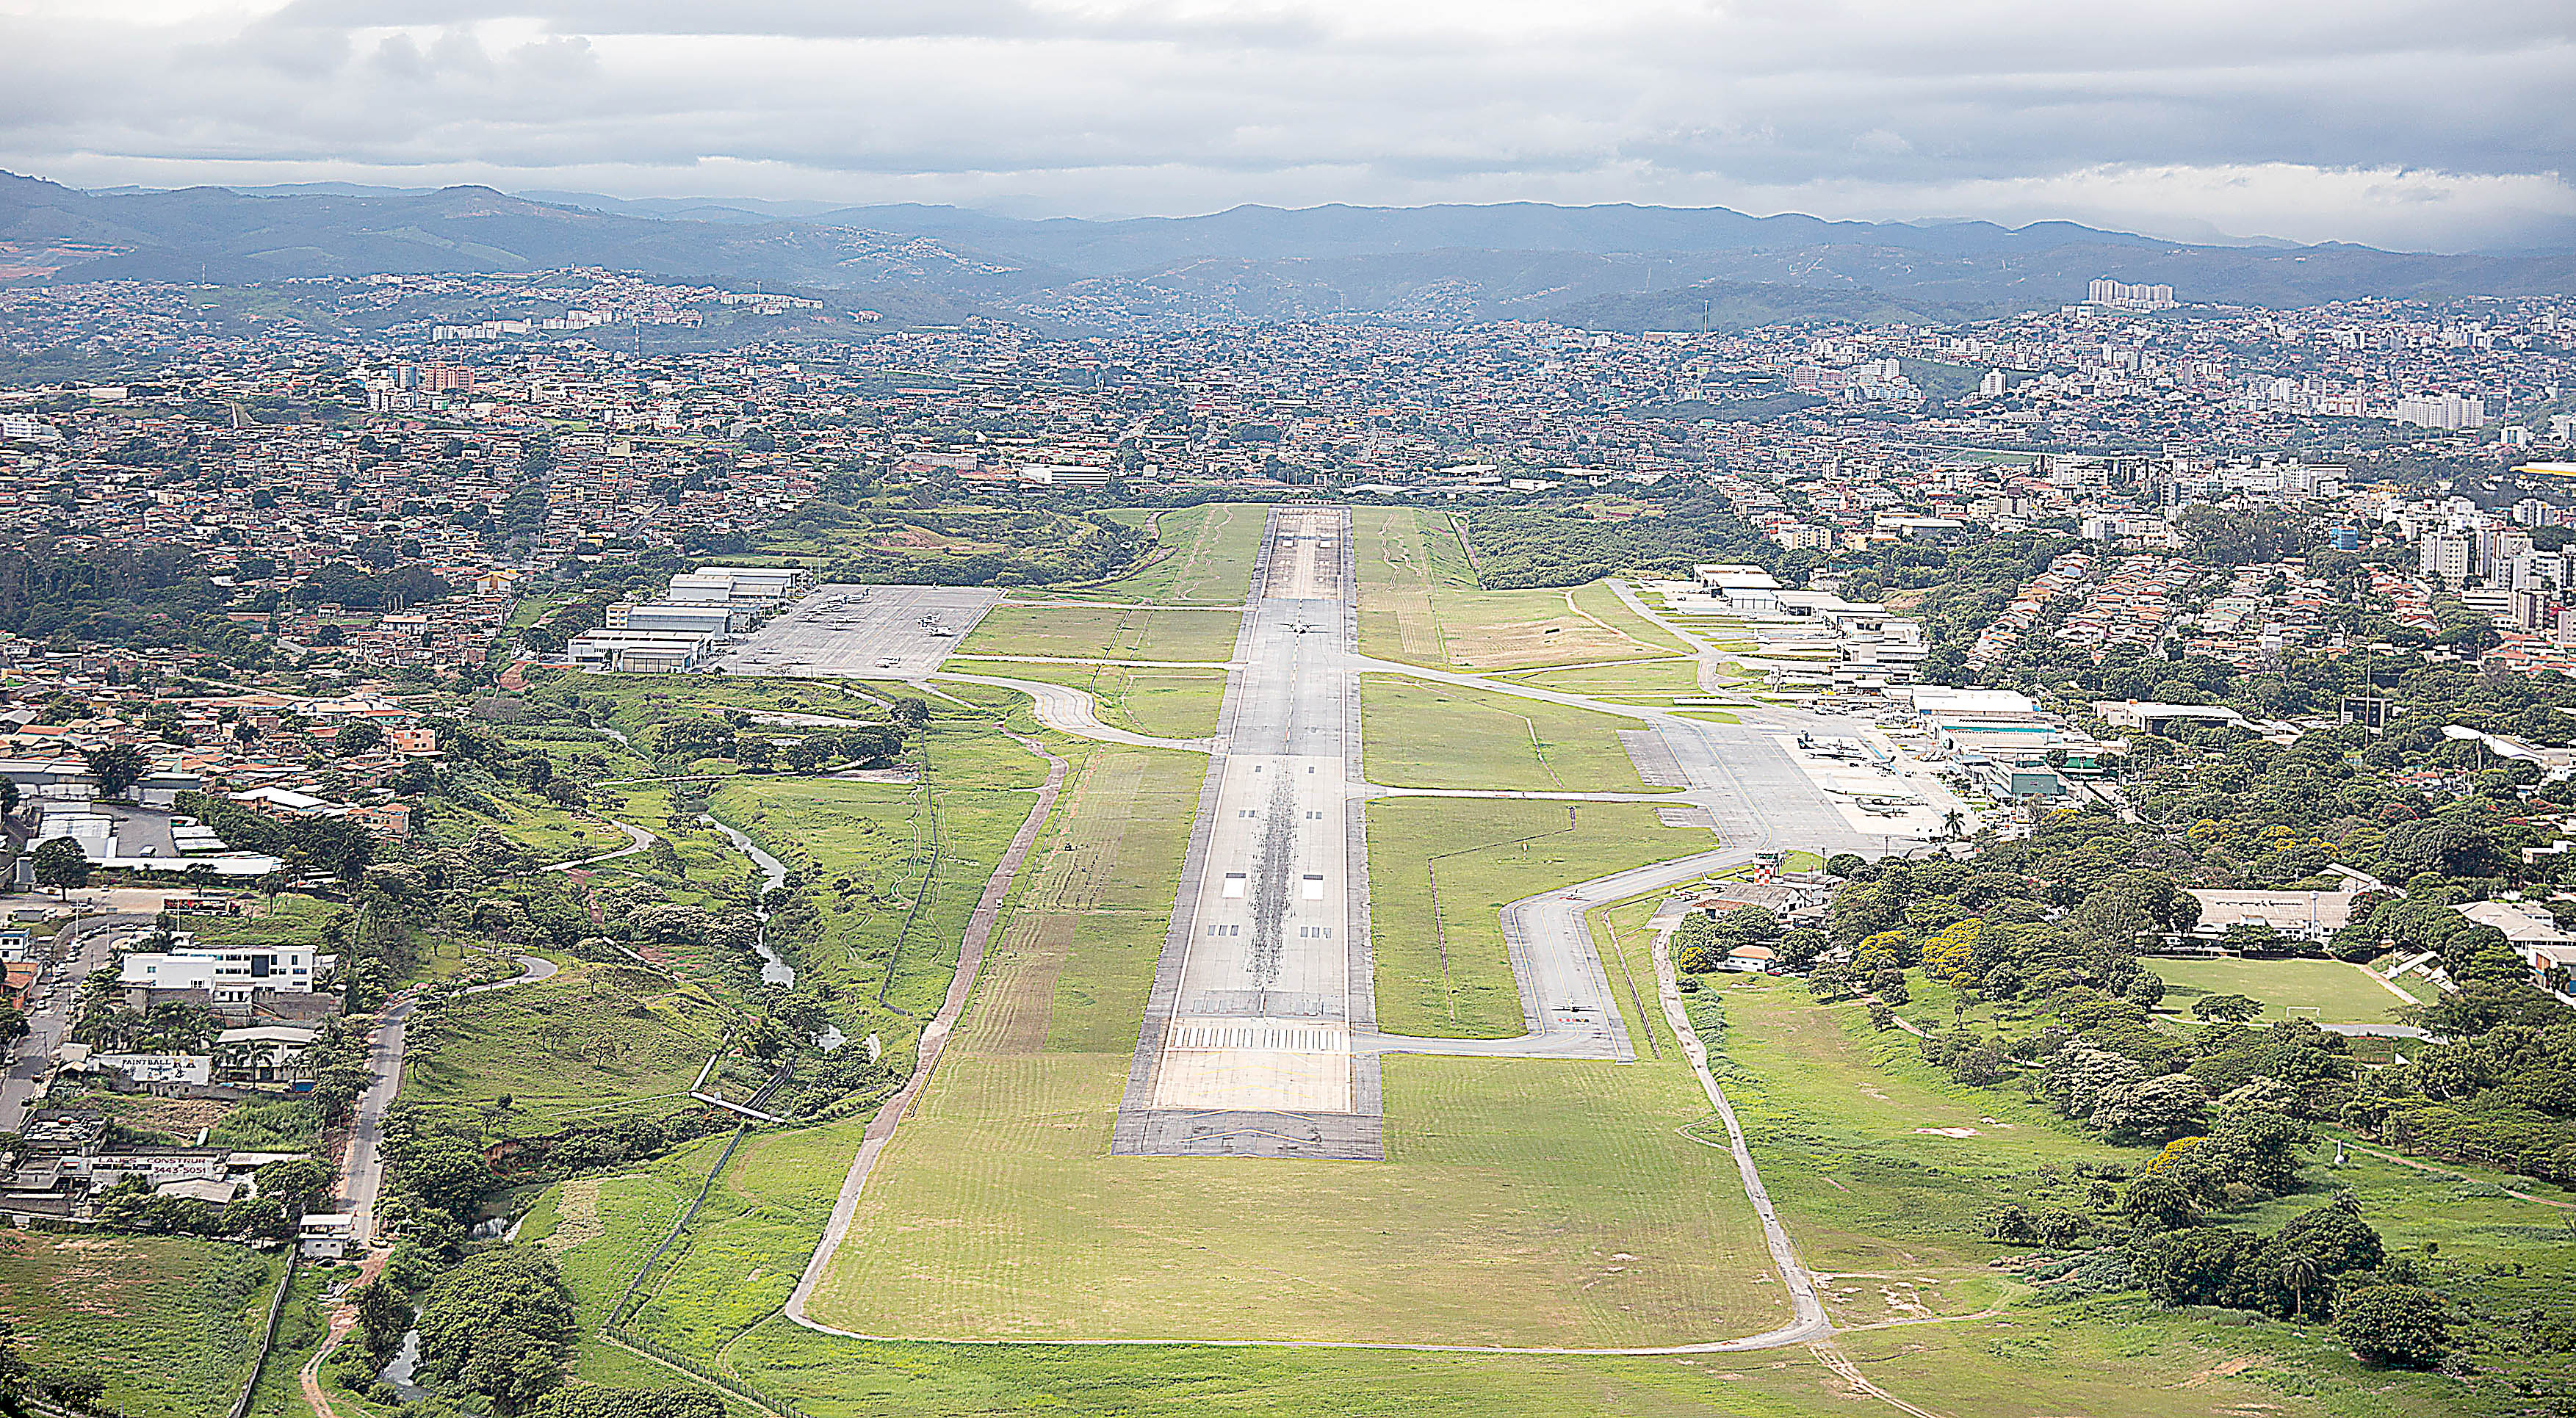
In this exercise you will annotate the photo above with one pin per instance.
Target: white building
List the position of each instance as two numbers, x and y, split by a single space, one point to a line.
231 974
2128 297
2450 412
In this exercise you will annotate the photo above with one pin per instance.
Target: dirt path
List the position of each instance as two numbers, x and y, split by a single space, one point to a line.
344 1318
935 1036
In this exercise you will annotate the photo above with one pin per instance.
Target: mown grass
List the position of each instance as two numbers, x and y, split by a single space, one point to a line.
1521 1202
2337 991
1448 975
1163 703
1419 603
1104 633
1012 1145
1661 679
1853 1132
1415 734
1207 555
171 1325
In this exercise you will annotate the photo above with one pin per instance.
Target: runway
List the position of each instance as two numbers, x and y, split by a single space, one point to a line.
1247 1045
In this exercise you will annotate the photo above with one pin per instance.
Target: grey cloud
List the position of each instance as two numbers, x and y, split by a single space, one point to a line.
1155 103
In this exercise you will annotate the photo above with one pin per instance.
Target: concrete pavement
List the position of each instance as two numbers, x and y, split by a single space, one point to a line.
1246 1047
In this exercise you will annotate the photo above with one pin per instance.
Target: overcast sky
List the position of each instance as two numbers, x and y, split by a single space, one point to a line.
2416 125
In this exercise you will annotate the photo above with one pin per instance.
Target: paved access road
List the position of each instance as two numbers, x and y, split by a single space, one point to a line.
83 945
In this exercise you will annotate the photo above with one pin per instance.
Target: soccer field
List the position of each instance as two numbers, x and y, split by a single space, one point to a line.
2328 991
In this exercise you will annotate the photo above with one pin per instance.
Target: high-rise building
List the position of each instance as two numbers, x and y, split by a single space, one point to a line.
2127 297
2443 411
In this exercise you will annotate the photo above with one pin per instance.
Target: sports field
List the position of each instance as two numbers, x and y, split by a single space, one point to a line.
2328 991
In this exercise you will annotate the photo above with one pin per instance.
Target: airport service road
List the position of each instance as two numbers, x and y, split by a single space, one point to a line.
862 632
1247 1042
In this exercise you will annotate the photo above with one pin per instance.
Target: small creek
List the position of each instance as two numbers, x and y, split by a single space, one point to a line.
774 969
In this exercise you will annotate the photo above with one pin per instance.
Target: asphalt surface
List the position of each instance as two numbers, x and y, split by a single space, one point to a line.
85 946
862 632
1246 1047
362 1162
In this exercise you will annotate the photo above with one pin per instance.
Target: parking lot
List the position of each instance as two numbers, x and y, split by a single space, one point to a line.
862 632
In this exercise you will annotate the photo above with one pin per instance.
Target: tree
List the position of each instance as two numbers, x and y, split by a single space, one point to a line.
2146 991
299 1184
358 738
383 1318
61 864
13 1371
75 1388
2156 1109
2300 1272
2394 1324
2230 1009
499 1324
116 767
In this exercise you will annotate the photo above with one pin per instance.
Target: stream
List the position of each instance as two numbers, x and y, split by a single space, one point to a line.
774 969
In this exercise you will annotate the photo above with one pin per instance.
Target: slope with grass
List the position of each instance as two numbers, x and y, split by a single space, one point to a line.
1203 556
594 1044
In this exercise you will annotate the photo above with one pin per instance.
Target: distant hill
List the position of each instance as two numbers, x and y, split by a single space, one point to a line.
1609 267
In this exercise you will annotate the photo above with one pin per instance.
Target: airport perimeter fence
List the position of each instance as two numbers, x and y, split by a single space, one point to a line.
617 1314
268 1335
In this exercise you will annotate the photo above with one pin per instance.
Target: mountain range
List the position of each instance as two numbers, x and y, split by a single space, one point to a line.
1606 267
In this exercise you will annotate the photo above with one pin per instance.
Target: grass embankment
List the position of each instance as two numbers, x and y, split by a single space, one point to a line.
1419 604
1415 734
1164 703
1205 557
1881 1164
593 1044
1448 975
893 910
